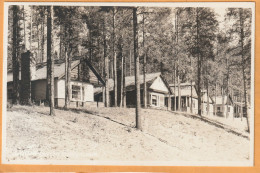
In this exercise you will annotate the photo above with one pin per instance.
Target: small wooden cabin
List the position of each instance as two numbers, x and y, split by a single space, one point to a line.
84 77
189 97
158 91
224 106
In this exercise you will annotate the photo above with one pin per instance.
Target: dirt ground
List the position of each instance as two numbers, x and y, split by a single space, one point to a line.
107 134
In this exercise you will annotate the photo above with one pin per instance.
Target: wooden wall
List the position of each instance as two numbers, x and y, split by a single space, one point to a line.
85 74
88 90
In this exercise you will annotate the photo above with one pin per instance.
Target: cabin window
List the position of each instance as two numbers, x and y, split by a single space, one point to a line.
76 94
218 109
228 109
154 100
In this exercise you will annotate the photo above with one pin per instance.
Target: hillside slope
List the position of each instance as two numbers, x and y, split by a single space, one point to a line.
108 134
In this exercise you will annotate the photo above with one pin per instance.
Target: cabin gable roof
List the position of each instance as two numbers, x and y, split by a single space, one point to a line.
130 82
227 100
59 70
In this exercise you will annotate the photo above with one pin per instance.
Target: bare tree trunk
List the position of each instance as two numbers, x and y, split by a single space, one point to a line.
67 68
42 43
31 28
175 98
178 62
50 62
107 85
115 79
227 113
203 86
124 87
144 69
241 106
207 85
215 104
223 99
145 84
67 79
207 97
90 45
106 64
137 82
179 94
61 37
130 63
114 60
199 64
69 74
38 39
24 29
122 82
242 36
199 87
15 55
191 101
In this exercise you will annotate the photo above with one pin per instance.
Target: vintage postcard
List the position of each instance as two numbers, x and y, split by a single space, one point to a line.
159 84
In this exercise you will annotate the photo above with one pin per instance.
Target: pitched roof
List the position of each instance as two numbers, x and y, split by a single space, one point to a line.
41 70
130 81
219 100
59 70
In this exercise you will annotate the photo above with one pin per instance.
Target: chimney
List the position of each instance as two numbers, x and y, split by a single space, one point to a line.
25 94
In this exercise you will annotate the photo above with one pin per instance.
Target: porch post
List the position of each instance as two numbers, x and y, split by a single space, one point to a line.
186 104
103 95
169 103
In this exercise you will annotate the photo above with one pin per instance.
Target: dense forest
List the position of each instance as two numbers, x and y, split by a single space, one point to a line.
189 45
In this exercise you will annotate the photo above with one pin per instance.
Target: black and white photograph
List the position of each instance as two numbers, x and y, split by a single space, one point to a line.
153 84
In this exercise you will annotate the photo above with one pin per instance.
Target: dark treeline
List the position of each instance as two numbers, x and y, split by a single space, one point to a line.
184 44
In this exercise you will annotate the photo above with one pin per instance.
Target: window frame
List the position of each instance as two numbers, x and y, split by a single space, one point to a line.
154 97
79 90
